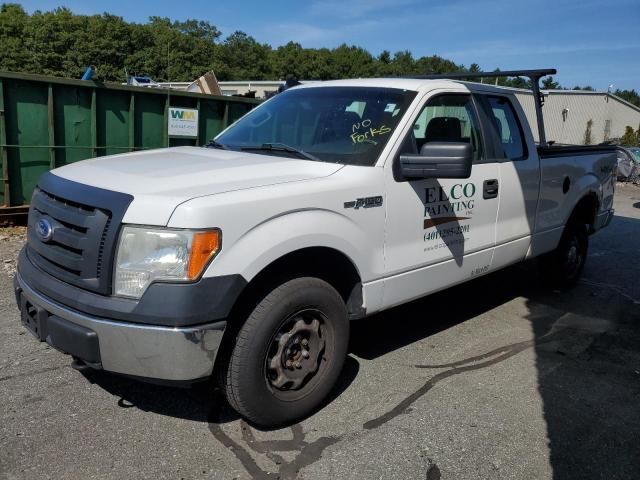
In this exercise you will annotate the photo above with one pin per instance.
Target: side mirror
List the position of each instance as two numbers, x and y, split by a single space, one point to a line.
438 160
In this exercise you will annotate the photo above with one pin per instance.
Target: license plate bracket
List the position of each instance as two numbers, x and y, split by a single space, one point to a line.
33 318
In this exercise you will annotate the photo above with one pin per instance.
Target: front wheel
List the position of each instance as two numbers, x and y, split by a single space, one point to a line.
562 267
288 354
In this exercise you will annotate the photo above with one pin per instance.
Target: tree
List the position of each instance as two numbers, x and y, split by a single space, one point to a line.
550 84
403 63
176 51
384 64
49 39
518 82
351 62
474 68
630 96
630 138
303 63
437 64
243 58
587 133
13 54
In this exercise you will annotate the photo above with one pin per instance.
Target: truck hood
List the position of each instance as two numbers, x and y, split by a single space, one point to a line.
159 180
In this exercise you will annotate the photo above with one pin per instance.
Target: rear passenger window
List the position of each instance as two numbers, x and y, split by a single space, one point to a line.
508 129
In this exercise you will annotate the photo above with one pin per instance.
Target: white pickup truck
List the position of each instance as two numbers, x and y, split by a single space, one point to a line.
245 261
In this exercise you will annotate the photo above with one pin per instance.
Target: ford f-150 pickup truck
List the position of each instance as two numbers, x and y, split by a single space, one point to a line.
245 262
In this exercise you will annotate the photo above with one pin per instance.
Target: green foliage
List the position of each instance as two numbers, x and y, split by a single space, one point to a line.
588 138
630 96
61 43
13 21
630 138
550 84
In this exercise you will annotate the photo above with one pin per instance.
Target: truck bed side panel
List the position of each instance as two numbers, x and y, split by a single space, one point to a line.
569 174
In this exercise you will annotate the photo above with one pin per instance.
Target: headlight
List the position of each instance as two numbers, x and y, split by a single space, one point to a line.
149 254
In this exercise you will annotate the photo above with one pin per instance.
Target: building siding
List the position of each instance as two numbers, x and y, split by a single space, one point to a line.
581 107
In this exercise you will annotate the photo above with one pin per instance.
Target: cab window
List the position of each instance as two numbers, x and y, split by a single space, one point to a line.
507 129
446 118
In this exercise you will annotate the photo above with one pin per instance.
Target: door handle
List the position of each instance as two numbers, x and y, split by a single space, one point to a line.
490 189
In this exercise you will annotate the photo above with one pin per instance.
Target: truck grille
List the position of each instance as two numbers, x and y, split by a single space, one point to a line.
80 245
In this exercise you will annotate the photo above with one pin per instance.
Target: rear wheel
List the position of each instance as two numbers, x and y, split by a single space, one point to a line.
288 354
562 267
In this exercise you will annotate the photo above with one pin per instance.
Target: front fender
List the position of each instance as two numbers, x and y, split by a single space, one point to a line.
261 245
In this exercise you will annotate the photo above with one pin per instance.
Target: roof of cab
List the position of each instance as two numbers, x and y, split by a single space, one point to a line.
415 84
401 83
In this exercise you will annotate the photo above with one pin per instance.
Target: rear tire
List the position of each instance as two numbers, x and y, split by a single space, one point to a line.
288 354
562 268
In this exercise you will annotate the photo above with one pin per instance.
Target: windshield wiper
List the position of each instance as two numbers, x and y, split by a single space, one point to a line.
282 148
213 144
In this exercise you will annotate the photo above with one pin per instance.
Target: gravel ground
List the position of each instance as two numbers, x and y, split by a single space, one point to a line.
11 241
497 378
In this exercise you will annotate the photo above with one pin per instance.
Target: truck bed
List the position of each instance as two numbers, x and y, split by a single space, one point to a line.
574 150
566 172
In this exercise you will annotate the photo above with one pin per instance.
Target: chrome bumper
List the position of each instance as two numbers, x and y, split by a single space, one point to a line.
603 220
166 353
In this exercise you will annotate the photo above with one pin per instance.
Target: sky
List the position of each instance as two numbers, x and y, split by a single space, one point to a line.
589 42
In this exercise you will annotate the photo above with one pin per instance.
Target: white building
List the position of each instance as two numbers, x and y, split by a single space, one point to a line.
261 87
567 112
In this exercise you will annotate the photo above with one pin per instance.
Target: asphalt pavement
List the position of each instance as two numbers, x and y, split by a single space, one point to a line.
500 378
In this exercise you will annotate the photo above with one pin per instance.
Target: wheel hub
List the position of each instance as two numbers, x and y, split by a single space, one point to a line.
296 351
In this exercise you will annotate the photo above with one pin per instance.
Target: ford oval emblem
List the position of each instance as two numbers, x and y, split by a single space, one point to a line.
44 229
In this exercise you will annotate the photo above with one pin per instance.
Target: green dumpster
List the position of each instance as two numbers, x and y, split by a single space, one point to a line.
47 122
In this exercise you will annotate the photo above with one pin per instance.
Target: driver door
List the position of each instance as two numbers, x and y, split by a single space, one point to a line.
439 232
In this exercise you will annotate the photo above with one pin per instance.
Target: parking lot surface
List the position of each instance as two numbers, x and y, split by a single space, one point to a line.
497 378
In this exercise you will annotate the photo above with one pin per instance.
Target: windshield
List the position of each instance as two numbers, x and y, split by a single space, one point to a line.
636 153
349 125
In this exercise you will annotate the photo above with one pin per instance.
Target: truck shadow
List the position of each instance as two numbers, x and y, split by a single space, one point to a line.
589 380
425 317
193 402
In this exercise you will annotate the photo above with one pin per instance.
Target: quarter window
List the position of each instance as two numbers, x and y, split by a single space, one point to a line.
507 129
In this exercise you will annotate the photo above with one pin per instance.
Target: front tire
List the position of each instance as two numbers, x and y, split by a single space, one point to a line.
288 354
562 267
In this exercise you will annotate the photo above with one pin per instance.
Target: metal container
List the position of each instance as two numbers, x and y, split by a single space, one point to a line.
47 122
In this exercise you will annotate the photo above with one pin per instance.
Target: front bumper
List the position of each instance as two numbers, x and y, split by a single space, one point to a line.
156 352
603 219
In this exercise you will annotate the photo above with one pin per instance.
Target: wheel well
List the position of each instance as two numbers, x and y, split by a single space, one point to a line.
586 210
328 264
325 263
